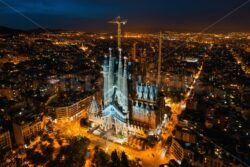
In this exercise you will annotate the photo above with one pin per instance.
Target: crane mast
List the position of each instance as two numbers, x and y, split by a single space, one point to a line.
119 22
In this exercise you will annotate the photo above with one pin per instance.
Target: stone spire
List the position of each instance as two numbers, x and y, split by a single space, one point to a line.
125 85
145 92
110 75
151 92
119 77
105 77
93 108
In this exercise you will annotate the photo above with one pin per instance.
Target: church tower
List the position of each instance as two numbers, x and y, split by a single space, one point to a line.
105 77
110 76
119 77
125 86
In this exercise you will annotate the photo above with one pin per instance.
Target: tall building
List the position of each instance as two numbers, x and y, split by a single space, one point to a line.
126 110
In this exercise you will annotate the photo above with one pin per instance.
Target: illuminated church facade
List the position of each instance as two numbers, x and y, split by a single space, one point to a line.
128 106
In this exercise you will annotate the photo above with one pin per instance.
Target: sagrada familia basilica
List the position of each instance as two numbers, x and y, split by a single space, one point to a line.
129 106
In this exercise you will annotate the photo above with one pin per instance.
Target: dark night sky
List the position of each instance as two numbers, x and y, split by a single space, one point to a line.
142 15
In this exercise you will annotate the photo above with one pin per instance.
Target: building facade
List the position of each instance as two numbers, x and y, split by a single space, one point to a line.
71 111
25 130
5 140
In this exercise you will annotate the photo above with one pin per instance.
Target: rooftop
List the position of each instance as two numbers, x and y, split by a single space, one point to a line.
26 116
68 98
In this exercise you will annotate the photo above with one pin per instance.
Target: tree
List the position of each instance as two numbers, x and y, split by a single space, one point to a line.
77 151
83 122
115 159
73 154
124 160
101 159
48 151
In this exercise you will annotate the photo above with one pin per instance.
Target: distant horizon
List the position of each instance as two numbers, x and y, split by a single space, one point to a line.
124 31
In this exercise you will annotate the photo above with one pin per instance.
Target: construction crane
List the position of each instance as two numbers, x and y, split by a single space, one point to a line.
119 22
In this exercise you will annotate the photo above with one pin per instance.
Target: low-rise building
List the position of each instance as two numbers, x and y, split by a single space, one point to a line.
72 109
177 151
27 127
184 134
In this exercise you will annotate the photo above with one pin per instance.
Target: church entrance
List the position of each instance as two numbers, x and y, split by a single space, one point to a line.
113 127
